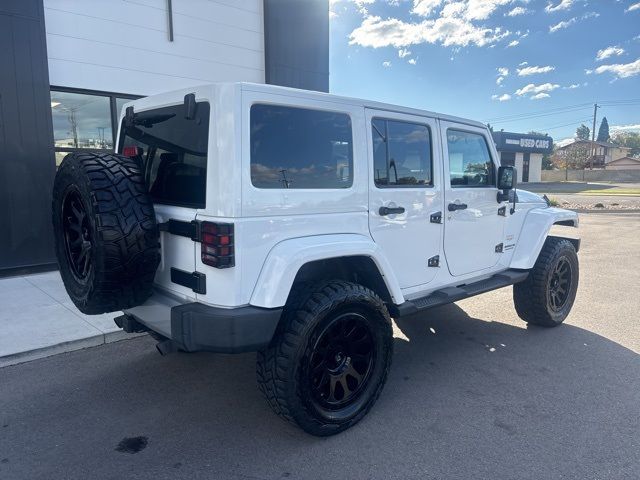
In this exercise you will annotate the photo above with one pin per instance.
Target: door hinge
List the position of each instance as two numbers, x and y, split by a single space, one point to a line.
184 229
499 248
196 281
436 217
502 211
434 261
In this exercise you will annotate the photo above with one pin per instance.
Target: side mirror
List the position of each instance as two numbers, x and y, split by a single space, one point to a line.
506 181
506 178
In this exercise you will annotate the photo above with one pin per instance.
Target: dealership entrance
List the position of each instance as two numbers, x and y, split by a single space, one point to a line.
524 152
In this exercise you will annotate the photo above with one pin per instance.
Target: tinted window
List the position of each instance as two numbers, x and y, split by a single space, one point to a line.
469 160
173 153
300 148
401 153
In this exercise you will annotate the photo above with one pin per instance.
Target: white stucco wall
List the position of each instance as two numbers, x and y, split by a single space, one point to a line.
535 167
123 45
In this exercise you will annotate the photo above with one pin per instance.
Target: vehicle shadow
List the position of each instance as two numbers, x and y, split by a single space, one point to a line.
465 398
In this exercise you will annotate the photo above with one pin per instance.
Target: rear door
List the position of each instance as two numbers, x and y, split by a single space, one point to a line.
172 151
474 222
405 193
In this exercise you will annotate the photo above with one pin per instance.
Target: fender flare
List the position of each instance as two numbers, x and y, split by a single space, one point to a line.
534 232
287 257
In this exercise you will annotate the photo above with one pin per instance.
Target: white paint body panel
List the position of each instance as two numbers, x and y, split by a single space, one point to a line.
278 231
472 234
408 239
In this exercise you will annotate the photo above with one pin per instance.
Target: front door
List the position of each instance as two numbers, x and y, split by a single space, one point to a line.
404 192
473 224
526 159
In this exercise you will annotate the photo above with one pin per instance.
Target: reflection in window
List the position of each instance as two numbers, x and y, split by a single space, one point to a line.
81 121
299 148
401 153
119 104
469 160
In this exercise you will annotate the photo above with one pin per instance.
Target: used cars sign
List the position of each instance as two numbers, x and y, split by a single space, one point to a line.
516 142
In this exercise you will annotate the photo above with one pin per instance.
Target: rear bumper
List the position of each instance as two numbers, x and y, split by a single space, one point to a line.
195 327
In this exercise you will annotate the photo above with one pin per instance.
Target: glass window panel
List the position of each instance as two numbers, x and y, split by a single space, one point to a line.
81 121
119 104
401 153
172 151
470 163
300 148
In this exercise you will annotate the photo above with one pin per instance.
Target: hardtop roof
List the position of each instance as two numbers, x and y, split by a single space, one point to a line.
147 102
260 87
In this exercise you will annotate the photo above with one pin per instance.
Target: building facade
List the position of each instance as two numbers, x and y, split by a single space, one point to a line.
585 153
73 64
524 152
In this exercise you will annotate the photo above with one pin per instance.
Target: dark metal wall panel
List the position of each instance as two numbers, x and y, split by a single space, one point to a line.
27 164
296 40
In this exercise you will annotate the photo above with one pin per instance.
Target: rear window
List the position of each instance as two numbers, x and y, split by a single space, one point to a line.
300 148
172 151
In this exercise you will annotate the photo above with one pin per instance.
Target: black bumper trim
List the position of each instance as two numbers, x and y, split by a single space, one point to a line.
198 327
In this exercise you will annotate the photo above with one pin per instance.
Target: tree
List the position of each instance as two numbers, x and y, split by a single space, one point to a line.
583 132
547 163
603 131
628 139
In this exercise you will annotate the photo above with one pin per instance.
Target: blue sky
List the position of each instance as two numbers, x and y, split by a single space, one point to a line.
498 61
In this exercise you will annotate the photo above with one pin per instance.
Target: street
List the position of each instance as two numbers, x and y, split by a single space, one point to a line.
473 393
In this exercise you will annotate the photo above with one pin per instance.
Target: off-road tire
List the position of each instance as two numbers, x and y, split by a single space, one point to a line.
281 366
119 225
532 297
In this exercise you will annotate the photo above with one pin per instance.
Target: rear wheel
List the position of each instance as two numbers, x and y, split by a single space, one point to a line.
546 297
329 359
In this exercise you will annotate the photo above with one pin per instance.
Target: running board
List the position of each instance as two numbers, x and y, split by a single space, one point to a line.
453 294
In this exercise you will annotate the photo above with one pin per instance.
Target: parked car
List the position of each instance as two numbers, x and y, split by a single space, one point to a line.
240 217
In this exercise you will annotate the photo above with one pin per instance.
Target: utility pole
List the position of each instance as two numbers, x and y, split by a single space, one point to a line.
593 134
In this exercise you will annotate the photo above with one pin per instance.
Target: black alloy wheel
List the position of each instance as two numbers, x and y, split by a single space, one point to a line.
77 234
559 284
329 357
341 361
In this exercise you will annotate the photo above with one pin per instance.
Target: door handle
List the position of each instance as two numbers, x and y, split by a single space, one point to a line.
390 210
457 206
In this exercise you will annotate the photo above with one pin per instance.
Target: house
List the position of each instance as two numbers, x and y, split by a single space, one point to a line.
624 163
594 154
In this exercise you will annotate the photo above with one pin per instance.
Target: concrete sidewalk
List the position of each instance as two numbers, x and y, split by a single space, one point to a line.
38 319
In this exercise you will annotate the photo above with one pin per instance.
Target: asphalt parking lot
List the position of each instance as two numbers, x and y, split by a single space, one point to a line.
482 397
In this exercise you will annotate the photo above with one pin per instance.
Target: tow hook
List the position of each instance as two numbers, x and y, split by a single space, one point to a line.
165 347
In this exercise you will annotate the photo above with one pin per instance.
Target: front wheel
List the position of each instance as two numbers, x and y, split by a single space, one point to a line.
545 298
329 359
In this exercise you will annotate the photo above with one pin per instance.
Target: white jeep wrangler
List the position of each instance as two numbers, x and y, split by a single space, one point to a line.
240 217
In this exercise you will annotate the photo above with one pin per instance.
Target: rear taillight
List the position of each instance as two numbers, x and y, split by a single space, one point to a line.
132 151
217 244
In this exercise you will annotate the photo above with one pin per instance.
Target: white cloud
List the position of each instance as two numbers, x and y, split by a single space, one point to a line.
609 52
573 86
513 43
540 96
501 98
571 21
522 64
403 52
536 89
563 5
467 9
563 24
620 70
502 73
412 61
448 31
425 7
386 64
514 12
634 7
625 128
523 72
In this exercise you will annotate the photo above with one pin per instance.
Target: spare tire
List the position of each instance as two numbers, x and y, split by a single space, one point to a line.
106 235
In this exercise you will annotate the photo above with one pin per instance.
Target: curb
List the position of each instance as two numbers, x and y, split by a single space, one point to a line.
71 346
